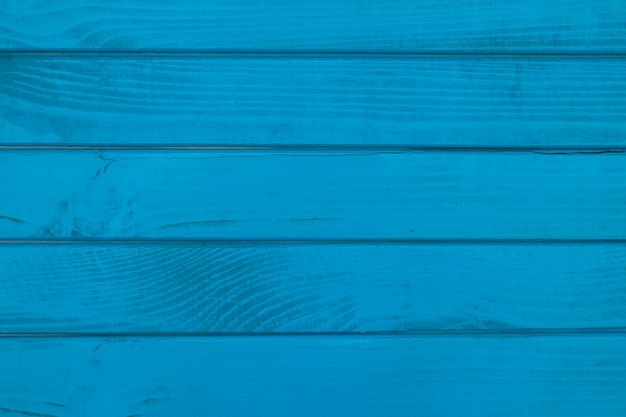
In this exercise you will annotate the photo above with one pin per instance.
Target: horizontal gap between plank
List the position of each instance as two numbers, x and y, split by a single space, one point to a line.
334 241
313 54
470 333
550 150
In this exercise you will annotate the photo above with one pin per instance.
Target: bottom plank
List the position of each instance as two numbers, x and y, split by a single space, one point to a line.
314 376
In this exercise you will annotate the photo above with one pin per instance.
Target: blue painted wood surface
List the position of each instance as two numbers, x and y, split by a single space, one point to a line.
312 376
197 288
348 208
323 194
200 99
327 25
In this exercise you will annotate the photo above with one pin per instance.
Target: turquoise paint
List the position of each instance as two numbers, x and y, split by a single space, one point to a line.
348 208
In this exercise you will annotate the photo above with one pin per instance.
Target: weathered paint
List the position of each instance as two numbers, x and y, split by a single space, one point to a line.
348 208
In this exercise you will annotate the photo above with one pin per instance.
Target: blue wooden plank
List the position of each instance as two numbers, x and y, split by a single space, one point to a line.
346 25
357 101
324 194
202 288
313 376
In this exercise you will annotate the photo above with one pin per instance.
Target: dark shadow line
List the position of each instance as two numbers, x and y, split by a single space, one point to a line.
304 241
316 54
548 150
428 333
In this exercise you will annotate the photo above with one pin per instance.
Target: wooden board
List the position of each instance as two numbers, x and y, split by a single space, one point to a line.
256 208
197 99
398 26
311 195
231 288
314 376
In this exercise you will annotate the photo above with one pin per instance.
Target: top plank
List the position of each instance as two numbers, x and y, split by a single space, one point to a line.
535 26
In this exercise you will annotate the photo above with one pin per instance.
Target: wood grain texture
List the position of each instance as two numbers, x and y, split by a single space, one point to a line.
312 195
240 100
244 282
313 376
215 288
396 26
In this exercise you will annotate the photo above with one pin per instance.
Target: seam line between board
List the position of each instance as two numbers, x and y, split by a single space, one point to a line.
302 241
472 333
318 54
541 150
